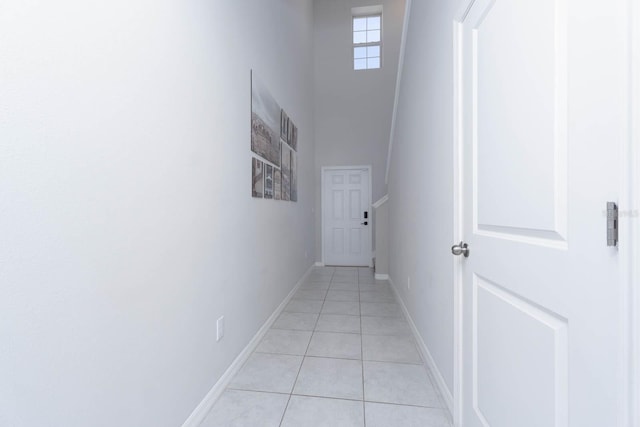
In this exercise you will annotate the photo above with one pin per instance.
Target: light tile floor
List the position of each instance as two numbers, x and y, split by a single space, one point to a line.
340 355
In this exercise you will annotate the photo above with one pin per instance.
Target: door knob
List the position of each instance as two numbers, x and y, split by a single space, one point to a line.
460 249
364 223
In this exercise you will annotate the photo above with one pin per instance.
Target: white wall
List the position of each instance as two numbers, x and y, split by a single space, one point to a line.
126 222
421 179
353 109
382 239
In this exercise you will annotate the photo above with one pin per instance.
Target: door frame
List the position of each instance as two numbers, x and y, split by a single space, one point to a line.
325 169
629 247
632 251
458 208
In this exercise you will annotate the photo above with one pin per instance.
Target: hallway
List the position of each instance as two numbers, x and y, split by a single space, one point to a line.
175 176
341 354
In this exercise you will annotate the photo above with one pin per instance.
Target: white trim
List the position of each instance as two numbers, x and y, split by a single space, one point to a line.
381 202
324 169
204 407
319 264
403 44
631 252
458 212
366 10
432 368
381 276
629 241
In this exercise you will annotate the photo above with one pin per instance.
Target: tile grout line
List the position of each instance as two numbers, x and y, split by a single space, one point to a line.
338 358
286 408
442 408
364 410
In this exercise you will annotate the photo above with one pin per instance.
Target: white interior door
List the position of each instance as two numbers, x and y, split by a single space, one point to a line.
346 216
543 86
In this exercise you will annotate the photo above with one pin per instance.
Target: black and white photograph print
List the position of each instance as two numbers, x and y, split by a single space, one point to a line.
277 184
294 176
290 132
268 181
274 140
257 184
286 172
284 125
294 138
265 122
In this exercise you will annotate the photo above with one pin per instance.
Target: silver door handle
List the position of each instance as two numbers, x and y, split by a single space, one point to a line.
460 249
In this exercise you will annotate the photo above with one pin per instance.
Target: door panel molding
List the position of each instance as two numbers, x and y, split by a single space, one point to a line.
545 221
552 331
547 238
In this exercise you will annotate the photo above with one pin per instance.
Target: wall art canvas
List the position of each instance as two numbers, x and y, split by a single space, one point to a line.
286 173
257 186
290 133
277 184
268 182
274 142
265 122
284 125
294 138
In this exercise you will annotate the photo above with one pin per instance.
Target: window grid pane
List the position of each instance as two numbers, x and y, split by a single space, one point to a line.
367 33
366 61
359 37
373 36
359 24
373 23
359 64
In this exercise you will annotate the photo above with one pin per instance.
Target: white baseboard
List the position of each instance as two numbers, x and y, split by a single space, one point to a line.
434 372
382 276
319 264
202 410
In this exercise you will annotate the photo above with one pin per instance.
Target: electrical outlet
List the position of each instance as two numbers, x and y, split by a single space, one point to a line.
220 329
409 283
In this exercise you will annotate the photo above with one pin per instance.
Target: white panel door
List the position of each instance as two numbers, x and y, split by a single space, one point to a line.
543 118
347 233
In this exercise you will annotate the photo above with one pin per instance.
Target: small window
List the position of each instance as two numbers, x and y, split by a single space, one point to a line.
367 42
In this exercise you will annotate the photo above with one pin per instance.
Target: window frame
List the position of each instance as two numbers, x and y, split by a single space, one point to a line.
355 45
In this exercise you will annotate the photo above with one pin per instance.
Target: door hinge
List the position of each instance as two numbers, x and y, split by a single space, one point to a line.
612 224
